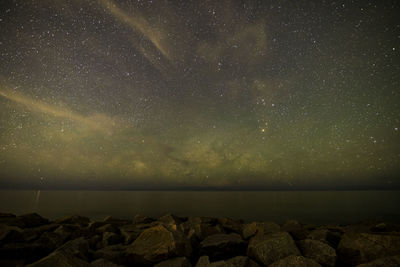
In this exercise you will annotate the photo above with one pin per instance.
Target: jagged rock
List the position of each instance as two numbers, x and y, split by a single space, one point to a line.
221 246
130 232
175 262
200 227
327 236
267 249
66 230
111 239
170 219
140 219
95 242
295 261
157 244
10 234
295 229
230 225
115 221
358 248
238 261
103 263
75 219
10 220
319 251
32 220
95 225
259 228
393 261
78 248
380 227
50 241
108 228
115 254
60 259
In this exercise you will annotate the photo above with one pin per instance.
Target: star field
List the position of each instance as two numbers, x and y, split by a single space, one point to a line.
199 94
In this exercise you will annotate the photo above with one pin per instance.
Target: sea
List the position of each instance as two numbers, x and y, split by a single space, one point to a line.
313 207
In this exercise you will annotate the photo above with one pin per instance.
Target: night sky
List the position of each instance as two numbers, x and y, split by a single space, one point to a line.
199 94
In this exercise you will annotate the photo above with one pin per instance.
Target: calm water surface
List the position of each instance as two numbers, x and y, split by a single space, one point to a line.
278 206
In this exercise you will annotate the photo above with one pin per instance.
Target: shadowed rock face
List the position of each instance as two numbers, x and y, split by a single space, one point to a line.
358 248
200 241
267 249
319 251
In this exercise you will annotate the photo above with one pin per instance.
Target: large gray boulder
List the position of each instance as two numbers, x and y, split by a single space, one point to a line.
267 249
156 244
259 228
221 246
295 261
319 251
115 254
358 248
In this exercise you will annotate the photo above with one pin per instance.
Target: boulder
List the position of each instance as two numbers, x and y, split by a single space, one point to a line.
140 219
175 262
115 221
111 239
75 219
66 230
295 229
10 220
50 241
32 220
393 261
256 228
358 248
78 248
103 263
231 226
222 246
238 261
267 249
60 259
295 261
318 251
130 232
108 228
200 227
10 234
170 219
156 244
329 237
115 254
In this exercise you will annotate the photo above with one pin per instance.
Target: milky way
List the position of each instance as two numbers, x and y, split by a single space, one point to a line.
199 94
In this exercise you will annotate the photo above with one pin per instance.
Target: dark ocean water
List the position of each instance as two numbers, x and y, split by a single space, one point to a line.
279 206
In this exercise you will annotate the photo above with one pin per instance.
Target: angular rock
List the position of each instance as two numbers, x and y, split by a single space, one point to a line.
175 262
75 219
327 236
95 242
111 239
238 261
140 218
103 263
131 231
115 254
32 220
115 221
60 259
10 234
10 220
358 248
318 251
50 241
230 225
222 246
171 219
267 249
66 230
156 244
200 227
259 228
108 228
295 261
295 229
78 248
393 261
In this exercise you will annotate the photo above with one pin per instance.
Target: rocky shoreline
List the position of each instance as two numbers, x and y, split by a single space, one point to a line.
192 241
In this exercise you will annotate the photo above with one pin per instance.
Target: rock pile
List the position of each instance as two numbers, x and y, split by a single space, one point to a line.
195 241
